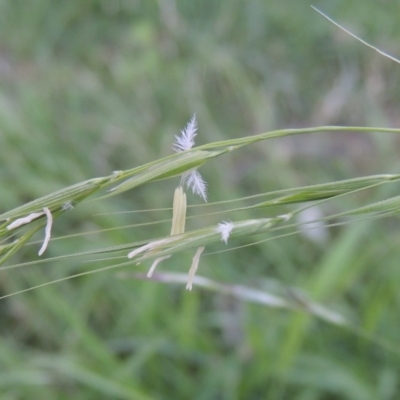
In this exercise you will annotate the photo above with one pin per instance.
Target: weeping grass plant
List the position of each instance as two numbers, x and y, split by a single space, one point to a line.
182 255
20 224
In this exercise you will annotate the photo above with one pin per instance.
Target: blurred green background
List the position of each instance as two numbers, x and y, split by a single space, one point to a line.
89 87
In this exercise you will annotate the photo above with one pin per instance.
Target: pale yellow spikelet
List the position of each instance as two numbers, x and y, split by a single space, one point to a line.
193 268
179 212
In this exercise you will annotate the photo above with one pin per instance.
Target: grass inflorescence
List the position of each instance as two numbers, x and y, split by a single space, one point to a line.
289 246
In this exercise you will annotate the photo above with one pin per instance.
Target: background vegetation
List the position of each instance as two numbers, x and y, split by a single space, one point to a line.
101 85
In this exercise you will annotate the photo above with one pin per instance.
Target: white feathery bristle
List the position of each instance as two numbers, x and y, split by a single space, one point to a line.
194 181
186 140
225 228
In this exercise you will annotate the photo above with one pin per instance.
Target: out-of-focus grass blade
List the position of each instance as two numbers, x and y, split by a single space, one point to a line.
100 383
292 300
